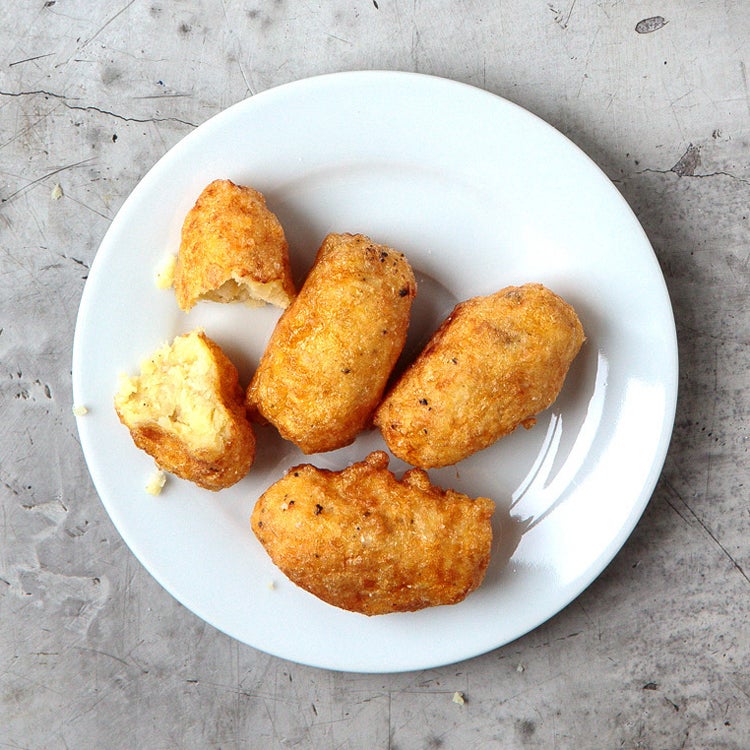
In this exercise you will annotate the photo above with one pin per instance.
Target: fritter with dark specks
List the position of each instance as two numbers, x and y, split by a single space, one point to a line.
329 358
364 541
493 364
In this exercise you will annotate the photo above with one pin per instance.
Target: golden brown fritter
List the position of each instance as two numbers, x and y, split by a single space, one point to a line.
364 541
494 363
329 358
232 248
186 410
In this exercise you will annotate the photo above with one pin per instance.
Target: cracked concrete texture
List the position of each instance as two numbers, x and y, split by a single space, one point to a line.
93 653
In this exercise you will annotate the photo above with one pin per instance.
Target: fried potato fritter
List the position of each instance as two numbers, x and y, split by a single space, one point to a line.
493 364
362 540
186 410
329 358
232 248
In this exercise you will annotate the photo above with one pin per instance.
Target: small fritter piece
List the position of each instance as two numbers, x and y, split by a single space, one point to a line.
186 410
364 541
329 358
232 249
493 364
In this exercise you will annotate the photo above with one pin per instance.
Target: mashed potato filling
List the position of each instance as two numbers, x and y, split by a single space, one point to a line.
251 293
177 391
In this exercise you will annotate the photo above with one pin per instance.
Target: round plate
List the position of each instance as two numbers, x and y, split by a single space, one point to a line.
478 194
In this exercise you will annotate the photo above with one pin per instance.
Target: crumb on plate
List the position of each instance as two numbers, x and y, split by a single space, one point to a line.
164 277
156 482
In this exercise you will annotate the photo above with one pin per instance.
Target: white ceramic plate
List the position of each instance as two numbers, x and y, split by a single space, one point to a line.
479 194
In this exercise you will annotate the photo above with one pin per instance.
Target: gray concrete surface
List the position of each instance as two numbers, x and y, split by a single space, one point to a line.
94 654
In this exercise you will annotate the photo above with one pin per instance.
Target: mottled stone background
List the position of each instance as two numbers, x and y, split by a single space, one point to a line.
94 654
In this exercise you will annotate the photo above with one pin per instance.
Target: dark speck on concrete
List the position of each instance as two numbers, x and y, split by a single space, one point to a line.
647 25
688 162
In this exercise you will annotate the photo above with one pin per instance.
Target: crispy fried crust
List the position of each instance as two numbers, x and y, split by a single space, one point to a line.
361 540
332 351
232 248
494 363
186 410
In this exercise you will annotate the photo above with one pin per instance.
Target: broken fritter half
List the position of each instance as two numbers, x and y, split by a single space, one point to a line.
186 410
233 248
